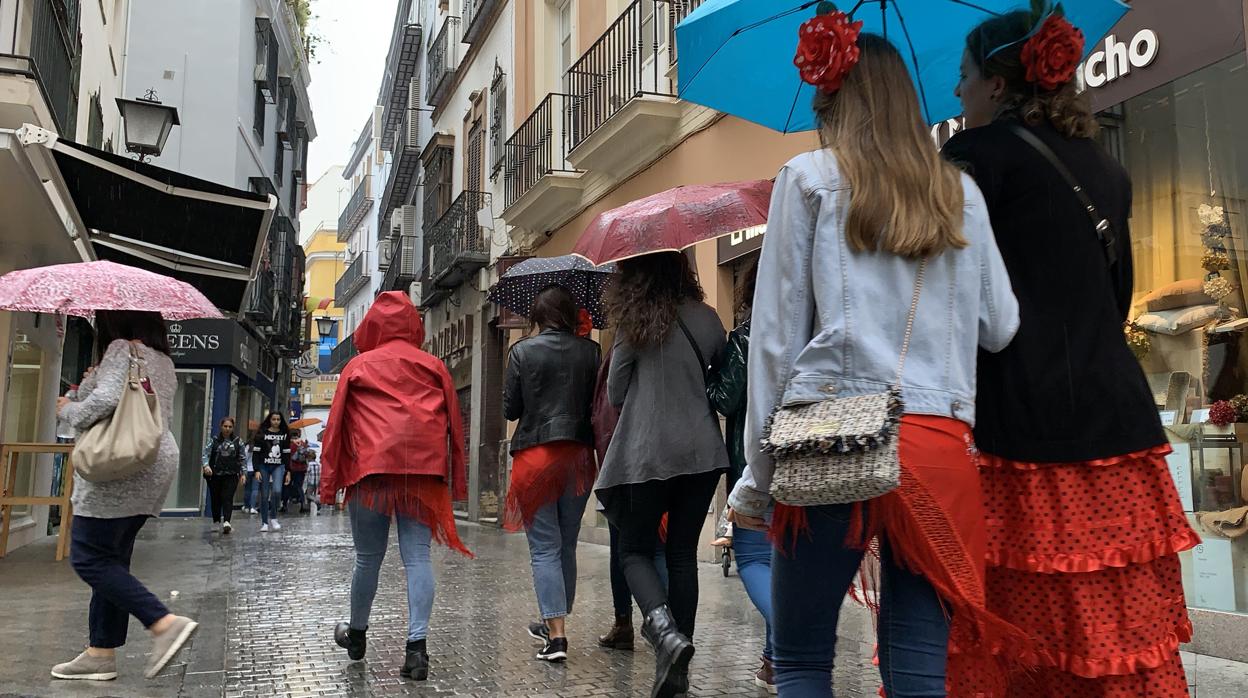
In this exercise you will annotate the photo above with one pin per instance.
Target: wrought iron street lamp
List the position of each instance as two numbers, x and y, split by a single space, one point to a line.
147 123
327 326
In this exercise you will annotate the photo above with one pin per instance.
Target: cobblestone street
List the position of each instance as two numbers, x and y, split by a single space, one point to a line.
267 605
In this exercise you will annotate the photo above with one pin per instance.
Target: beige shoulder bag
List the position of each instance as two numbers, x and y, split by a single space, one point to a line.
127 441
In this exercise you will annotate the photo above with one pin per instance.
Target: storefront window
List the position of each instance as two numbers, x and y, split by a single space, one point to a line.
190 424
22 411
1187 153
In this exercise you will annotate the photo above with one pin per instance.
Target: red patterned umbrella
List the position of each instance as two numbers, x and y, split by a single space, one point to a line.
674 220
83 288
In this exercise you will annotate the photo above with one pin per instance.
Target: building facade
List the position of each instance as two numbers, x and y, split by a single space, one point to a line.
325 265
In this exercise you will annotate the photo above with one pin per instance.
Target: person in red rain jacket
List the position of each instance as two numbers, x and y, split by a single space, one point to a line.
395 443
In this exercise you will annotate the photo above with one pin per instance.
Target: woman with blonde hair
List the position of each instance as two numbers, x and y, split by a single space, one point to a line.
879 272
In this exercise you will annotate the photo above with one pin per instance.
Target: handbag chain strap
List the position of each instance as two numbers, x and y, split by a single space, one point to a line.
914 307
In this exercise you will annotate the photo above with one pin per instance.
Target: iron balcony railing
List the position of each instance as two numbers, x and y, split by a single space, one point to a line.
680 9
353 279
404 167
620 67
405 265
342 353
443 57
430 293
260 308
55 46
458 245
357 209
538 148
401 66
476 15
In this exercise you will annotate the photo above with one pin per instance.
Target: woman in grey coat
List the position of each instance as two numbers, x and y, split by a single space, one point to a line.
667 453
108 515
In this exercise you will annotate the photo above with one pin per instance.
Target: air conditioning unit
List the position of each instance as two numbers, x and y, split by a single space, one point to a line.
396 222
407 221
385 252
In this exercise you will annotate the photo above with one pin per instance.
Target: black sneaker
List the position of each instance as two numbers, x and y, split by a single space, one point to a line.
417 665
539 631
556 650
352 640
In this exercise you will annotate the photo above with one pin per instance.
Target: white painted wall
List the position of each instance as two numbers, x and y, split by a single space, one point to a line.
103 26
326 197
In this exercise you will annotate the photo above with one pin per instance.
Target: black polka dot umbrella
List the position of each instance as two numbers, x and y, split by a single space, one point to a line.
519 287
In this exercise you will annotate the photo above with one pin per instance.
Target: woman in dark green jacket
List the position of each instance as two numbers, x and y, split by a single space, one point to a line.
727 392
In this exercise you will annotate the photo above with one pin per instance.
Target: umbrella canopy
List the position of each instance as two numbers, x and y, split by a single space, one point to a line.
736 56
520 286
83 288
675 220
304 423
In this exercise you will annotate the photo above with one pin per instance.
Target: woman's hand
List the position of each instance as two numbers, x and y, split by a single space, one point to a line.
257 476
207 471
61 402
87 373
286 480
751 523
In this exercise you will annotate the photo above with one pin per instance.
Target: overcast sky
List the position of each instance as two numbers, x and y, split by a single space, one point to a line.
346 80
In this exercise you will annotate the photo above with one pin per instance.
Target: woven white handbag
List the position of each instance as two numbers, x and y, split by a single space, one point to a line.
840 450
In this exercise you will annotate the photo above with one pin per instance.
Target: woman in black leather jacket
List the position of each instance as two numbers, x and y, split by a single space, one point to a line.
550 389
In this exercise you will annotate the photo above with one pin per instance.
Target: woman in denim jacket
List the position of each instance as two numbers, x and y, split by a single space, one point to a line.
856 231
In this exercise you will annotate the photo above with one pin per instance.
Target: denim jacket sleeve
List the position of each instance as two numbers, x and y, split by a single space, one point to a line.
998 307
782 322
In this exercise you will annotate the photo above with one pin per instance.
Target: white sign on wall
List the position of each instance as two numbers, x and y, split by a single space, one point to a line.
1180 462
1116 58
1213 565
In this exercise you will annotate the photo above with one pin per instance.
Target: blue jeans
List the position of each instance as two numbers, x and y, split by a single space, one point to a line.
100 551
370 532
552 552
251 491
753 553
808 586
271 477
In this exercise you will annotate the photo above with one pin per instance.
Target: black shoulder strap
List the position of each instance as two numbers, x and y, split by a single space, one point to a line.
1104 231
693 343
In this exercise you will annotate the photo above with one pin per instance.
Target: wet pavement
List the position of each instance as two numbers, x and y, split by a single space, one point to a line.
267 605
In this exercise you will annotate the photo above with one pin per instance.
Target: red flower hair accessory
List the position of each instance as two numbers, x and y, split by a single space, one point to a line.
584 323
827 49
1053 54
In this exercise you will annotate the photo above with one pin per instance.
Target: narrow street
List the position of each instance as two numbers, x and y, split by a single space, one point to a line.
267 604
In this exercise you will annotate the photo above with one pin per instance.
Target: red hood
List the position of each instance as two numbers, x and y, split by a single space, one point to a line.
392 318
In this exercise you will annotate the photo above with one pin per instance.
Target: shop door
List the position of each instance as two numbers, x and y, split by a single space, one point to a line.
190 431
465 414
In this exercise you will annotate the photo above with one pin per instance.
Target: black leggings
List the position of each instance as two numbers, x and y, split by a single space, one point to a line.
636 511
221 490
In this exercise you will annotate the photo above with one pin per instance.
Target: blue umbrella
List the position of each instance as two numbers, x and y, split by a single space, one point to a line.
736 56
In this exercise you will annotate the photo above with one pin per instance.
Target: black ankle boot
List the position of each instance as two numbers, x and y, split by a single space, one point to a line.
351 640
672 652
620 637
417 665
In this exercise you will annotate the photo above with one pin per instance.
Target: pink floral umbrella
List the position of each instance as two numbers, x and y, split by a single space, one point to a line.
674 220
83 288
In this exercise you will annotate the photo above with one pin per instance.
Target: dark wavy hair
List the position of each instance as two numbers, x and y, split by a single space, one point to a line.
1064 108
641 304
148 328
553 309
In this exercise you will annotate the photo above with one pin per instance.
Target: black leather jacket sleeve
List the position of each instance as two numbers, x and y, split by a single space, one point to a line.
513 397
726 388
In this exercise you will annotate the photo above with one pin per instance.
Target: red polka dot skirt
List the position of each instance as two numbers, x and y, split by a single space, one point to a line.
1085 557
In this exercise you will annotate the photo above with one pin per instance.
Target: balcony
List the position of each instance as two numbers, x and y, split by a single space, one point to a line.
477 14
342 352
541 186
430 293
680 9
458 245
404 166
443 61
400 79
43 85
356 277
622 110
357 208
263 303
406 262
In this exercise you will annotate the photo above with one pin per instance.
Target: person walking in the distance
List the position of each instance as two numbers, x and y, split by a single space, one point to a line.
270 452
394 441
109 515
224 462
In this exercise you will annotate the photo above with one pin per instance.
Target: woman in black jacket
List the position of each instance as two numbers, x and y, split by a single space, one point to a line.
550 390
1084 521
224 459
270 448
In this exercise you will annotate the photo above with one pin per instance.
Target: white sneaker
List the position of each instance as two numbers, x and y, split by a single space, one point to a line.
264 528
276 526
226 528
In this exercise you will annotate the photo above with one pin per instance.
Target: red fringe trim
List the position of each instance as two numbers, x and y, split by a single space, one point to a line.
1095 561
663 529
987 460
541 474
787 523
426 498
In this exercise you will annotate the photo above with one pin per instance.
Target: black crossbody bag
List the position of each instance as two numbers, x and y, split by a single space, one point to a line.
1100 224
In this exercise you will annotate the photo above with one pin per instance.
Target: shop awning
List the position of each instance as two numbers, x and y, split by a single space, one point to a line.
206 234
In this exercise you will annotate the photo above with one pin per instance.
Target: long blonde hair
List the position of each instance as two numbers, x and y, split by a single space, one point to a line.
904 197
